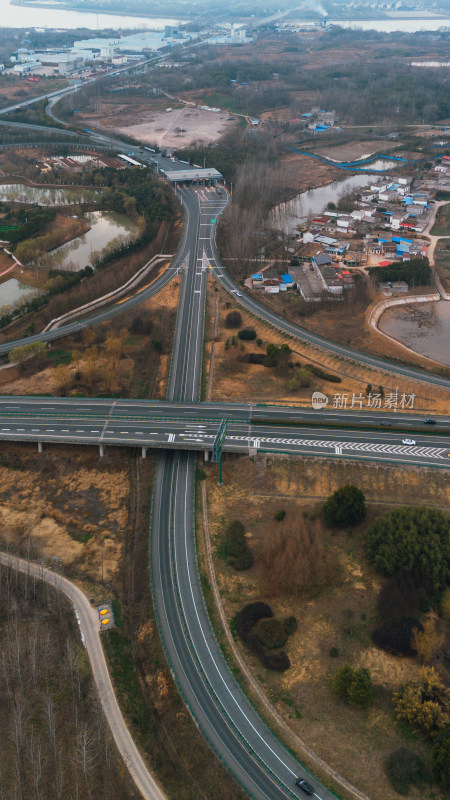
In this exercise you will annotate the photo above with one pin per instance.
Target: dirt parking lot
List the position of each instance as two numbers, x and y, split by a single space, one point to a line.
180 127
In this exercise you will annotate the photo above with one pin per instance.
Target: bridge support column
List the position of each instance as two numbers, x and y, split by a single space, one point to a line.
206 455
101 450
144 452
40 448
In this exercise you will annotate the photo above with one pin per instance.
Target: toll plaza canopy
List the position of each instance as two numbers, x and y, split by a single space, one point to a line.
191 175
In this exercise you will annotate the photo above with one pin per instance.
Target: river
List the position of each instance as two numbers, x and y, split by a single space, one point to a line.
24 17
288 216
425 328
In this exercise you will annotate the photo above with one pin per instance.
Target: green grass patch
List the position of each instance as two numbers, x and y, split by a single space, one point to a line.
220 100
442 259
60 356
126 679
117 610
79 536
442 225
134 341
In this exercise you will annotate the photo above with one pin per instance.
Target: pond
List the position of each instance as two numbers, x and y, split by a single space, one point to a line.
425 328
47 196
287 216
13 290
105 227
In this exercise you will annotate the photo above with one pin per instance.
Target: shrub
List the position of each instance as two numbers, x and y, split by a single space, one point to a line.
236 547
290 625
397 637
280 515
401 596
200 474
425 703
345 507
321 373
441 758
278 662
342 680
353 685
254 358
233 319
403 768
333 652
360 691
412 539
246 619
249 616
270 633
247 334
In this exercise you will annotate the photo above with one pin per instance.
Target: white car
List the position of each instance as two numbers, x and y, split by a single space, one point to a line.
408 441
238 294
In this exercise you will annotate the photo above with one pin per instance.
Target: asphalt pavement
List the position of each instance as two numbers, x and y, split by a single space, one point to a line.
265 770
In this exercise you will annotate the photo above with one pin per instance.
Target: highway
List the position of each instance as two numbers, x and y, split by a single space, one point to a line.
241 297
263 413
88 620
231 726
198 434
234 730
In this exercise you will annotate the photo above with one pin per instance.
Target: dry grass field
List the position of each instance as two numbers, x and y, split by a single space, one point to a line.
340 615
232 379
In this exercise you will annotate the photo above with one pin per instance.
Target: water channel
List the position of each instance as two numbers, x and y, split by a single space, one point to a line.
425 328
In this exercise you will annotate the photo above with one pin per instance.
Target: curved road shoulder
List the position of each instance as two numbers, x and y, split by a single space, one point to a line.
90 629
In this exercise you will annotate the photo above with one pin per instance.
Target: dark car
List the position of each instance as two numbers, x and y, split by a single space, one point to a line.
385 422
307 788
429 421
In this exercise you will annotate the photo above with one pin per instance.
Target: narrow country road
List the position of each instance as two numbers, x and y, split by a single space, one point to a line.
90 629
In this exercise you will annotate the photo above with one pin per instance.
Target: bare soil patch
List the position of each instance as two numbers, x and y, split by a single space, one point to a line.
174 129
355 149
307 173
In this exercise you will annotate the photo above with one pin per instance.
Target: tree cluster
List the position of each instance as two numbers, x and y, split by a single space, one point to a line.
412 540
294 558
416 272
53 737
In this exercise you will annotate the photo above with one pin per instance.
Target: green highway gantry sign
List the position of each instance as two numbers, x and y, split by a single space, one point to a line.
217 447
